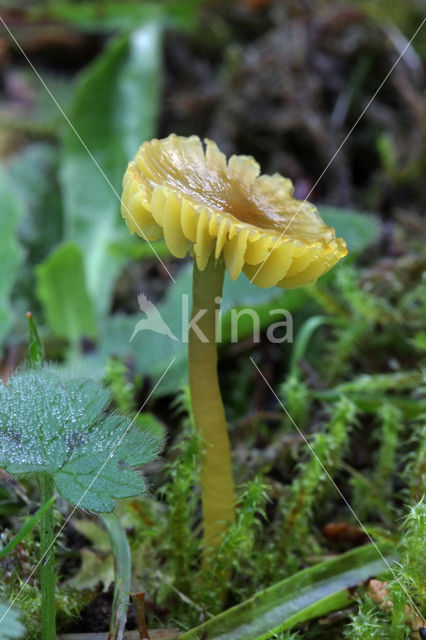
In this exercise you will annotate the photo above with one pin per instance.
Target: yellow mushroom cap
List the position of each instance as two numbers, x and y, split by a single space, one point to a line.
203 203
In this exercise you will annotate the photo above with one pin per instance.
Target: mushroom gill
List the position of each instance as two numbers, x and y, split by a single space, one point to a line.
204 204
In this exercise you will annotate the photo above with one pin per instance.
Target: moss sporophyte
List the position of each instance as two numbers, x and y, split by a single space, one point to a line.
227 216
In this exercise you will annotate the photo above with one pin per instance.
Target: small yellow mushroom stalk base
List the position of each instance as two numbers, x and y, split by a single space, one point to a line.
217 485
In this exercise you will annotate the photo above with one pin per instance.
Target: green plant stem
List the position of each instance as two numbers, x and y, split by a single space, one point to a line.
35 346
217 485
122 574
304 335
28 526
47 556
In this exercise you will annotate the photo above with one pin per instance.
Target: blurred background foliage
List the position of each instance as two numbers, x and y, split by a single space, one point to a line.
284 81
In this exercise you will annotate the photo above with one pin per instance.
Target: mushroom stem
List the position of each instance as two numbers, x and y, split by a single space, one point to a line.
217 485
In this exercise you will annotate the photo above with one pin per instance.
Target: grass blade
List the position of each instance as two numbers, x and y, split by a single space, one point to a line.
311 593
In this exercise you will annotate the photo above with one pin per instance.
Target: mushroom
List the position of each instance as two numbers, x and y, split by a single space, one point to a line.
228 216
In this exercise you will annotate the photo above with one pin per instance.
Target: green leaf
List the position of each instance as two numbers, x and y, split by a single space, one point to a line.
131 248
242 293
359 230
309 594
419 340
48 425
38 116
33 176
11 627
35 345
91 530
115 109
95 568
97 563
11 253
115 14
61 289
152 351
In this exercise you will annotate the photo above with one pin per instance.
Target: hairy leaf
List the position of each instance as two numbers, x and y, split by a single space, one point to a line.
48 425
